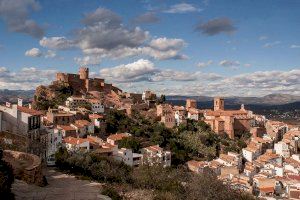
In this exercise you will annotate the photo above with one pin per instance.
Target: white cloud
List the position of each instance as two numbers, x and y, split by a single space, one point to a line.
25 79
173 75
230 63
50 54
294 46
140 70
57 43
88 60
182 8
204 64
160 49
144 70
271 44
247 65
105 36
263 37
165 44
34 52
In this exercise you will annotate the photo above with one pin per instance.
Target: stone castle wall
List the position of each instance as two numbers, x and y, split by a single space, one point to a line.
82 83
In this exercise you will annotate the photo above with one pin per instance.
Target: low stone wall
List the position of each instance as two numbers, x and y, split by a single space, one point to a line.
27 167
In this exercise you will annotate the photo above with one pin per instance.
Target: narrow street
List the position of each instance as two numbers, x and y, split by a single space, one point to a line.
60 187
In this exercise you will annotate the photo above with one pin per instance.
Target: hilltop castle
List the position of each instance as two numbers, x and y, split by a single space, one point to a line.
81 83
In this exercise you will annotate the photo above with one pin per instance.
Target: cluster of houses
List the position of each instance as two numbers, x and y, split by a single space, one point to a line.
73 125
268 167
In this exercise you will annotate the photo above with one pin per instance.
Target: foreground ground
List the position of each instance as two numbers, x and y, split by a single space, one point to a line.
60 187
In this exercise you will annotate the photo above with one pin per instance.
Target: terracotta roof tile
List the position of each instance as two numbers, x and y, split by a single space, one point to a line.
29 111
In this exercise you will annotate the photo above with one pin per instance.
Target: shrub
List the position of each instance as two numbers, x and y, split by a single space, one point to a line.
111 192
6 178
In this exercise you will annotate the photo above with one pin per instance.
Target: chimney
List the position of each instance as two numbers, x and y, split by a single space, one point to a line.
30 106
242 107
8 104
20 102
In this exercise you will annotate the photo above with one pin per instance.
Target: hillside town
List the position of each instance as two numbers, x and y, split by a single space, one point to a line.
268 166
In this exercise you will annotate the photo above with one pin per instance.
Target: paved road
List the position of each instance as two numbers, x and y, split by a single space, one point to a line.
60 187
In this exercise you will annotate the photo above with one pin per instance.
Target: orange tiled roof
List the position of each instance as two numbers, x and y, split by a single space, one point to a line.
96 116
292 162
94 100
108 146
276 123
195 163
154 148
266 189
82 122
28 110
118 136
66 127
74 141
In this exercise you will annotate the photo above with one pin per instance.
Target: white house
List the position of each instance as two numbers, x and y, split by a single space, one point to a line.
251 152
96 106
54 142
75 144
156 155
281 148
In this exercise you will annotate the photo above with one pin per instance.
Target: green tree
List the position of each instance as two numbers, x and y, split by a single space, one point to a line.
130 143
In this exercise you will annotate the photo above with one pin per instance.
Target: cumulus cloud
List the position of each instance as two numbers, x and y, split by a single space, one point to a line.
271 44
146 18
249 84
88 60
16 16
57 43
144 70
105 36
167 44
204 64
140 70
230 63
50 54
182 8
104 30
216 26
160 49
34 52
25 79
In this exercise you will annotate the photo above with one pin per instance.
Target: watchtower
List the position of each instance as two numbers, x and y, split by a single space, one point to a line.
191 103
84 73
218 103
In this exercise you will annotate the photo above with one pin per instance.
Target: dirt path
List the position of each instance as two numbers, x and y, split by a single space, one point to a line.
60 187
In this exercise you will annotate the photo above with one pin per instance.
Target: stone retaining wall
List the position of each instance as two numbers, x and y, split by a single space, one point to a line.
27 167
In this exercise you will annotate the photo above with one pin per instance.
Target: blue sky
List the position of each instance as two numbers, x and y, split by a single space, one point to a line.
210 47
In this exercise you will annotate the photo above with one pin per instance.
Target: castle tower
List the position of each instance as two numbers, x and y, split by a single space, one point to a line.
191 103
84 73
218 103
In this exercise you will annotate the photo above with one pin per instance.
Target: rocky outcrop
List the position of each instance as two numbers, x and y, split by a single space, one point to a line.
26 167
51 96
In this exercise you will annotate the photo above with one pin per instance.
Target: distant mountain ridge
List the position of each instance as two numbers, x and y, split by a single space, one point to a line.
13 95
271 99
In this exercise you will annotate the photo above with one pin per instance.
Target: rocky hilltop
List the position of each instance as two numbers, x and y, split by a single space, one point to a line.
66 85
